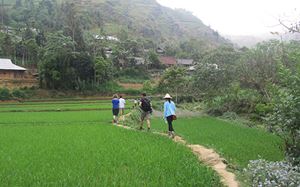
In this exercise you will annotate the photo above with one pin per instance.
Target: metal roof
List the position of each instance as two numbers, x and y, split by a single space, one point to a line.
6 64
185 61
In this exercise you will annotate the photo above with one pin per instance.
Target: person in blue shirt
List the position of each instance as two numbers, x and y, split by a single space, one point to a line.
115 108
169 113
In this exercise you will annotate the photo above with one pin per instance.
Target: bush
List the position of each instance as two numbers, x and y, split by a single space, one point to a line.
234 99
269 174
285 117
4 94
18 94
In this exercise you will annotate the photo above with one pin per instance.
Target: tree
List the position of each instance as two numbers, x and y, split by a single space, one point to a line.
72 25
257 67
216 71
285 118
154 60
173 81
55 60
293 28
7 46
103 70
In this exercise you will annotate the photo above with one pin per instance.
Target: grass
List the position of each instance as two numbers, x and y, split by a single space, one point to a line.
95 155
54 106
237 143
83 149
40 118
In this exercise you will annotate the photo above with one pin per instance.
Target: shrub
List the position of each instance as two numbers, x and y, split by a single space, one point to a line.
4 94
268 174
148 87
18 94
234 99
285 117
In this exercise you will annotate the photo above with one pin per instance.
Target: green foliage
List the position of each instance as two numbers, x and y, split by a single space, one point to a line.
19 94
154 60
148 87
137 73
61 68
103 70
235 99
173 81
257 67
285 118
4 94
215 71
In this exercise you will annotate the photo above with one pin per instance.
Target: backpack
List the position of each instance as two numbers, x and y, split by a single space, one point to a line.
146 106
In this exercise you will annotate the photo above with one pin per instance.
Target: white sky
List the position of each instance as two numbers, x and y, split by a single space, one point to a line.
240 17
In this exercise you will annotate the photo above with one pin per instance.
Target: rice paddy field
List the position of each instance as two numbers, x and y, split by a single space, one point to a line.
73 143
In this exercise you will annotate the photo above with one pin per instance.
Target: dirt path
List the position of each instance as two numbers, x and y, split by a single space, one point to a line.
208 157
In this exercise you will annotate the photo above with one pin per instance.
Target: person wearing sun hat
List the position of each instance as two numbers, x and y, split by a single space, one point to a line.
169 113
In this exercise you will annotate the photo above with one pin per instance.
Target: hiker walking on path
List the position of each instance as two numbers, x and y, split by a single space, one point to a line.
169 113
122 103
146 110
115 108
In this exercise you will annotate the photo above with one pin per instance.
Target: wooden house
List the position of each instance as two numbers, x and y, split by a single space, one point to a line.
8 70
13 76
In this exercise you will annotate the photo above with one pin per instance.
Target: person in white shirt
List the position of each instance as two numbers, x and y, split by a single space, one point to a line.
122 103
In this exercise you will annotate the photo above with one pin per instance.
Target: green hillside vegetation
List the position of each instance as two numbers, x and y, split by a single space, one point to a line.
81 45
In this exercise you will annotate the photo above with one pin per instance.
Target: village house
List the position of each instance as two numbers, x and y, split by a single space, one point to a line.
168 60
185 62
13 76
160 51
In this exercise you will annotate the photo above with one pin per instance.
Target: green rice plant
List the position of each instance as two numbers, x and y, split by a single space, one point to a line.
57 106
84 154
237 143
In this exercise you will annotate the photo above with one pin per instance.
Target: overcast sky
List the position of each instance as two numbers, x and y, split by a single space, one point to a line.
240 17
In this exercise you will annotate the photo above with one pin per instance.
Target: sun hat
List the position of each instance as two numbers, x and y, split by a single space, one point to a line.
167 96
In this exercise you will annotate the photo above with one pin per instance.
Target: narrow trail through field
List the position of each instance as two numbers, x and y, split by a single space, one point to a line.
208 157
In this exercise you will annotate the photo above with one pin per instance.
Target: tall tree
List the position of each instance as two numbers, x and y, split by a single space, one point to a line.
72 25
173 81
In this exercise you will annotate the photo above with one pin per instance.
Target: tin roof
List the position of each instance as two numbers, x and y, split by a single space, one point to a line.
185 61
6 64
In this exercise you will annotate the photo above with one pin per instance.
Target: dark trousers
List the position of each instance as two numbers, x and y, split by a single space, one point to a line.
170 120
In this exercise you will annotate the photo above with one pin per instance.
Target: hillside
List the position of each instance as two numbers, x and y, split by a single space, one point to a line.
134 18
150 20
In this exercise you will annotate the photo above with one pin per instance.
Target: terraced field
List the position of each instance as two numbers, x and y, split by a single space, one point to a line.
82 148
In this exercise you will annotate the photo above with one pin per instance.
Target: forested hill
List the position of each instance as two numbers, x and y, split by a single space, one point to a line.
134 18
148 19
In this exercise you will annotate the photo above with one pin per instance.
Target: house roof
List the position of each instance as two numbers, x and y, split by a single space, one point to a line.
6 64
168 60
185 61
